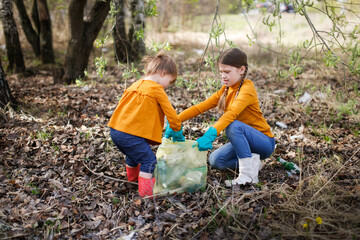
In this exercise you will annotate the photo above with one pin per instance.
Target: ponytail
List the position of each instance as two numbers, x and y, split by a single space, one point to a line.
161 62
242 81
222 101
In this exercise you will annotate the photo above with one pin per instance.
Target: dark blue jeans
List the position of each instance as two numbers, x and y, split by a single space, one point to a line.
136 149
244 140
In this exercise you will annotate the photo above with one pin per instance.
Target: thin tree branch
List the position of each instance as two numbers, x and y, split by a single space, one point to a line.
335 174
259 43
303 11
103 175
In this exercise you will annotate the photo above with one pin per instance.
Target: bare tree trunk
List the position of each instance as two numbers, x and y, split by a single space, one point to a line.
29 31
163 18
35 16
83 35
73 68
5 93
47 53
138 24
13 47
122 45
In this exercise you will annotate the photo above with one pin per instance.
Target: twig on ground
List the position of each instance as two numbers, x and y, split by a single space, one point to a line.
250 225
42 210
334 175
213 217
105 176
16 236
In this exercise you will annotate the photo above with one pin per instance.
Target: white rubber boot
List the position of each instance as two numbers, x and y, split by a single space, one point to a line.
248 171
256 167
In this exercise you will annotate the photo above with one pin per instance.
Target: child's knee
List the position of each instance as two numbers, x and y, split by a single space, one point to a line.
215 163
229 130
234 128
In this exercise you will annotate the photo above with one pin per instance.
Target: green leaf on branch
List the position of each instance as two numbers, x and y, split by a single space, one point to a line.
100 63
307 43
216 32
150 9
113 11
101 41
330 59
267 22
139 34
156 47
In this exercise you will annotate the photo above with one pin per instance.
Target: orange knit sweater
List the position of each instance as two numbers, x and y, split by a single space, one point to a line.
141 111
244 108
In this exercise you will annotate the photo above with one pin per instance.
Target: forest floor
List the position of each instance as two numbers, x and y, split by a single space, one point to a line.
62 177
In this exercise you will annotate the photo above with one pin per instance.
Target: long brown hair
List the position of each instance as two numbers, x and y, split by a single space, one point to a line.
161 62
236 58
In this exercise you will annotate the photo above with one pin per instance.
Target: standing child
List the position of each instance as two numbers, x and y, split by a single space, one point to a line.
138 120
249 133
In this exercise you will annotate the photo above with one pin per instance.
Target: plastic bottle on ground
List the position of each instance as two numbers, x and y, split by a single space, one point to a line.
292 167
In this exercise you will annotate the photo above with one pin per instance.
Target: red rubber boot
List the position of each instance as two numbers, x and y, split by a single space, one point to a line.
132 173
146 186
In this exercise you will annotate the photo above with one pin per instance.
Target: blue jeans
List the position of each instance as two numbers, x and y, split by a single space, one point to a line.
244 140
136 149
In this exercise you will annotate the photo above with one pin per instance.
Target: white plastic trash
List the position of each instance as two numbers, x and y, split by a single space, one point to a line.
305 98
281 124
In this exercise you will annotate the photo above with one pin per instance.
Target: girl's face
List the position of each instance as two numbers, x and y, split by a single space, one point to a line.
230 75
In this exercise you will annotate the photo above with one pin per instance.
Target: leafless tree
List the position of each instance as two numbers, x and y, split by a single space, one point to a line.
13 47
84 30
39 36
5 94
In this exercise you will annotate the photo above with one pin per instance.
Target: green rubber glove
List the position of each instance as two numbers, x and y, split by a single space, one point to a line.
205 142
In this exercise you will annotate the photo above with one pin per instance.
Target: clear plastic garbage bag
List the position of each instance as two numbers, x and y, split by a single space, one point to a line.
180 167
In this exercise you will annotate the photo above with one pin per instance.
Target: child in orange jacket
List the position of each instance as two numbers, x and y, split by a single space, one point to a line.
138 120
246 128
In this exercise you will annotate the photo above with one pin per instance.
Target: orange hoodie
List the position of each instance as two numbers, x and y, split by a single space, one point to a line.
244 108
141 111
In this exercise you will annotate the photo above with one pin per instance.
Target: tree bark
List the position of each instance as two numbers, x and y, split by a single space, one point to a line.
13 47
35 16
122 45
83 35
138 24
47 53
29 31
5 94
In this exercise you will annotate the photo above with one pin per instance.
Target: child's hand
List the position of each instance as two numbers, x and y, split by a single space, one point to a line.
168 131
176 136
205 142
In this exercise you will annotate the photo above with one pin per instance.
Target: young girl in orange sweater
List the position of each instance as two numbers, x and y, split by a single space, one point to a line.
250 137
138 120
